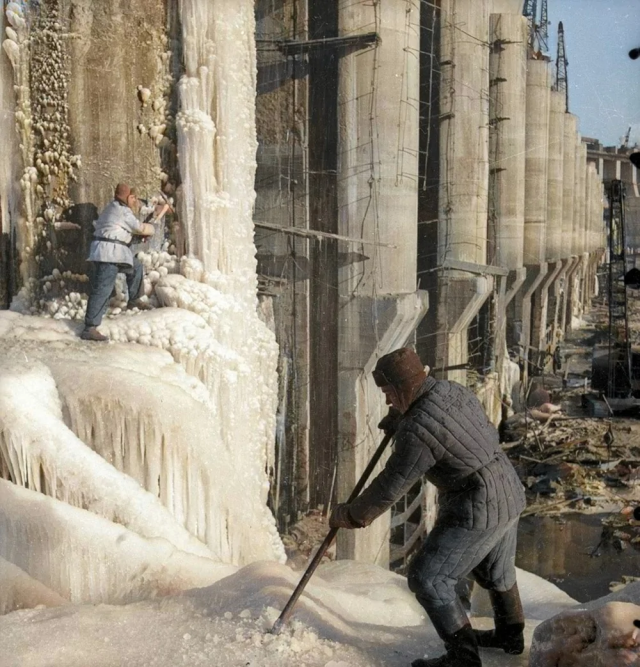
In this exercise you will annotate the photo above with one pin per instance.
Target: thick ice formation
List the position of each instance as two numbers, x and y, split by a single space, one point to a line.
167 449
217 137
85 558
20 591
163 430
38 451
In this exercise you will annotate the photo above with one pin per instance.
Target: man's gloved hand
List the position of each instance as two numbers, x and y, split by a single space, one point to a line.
389 424
341 518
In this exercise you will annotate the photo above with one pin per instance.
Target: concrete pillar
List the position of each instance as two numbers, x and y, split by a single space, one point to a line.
555 176
542 323
559 299
578 296
464 131
377 201
584 228
464 176
507 109
536 182
544 312
537 154
577 242
568 183
588 235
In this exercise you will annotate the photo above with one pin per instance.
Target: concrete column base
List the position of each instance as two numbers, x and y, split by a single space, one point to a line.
460 297
535 276
369 329
540 315
574 302
566 296
507 292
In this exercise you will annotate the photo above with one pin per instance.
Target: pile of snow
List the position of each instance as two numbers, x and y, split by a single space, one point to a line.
351 615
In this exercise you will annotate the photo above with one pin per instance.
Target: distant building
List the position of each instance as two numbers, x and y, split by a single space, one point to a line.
612 162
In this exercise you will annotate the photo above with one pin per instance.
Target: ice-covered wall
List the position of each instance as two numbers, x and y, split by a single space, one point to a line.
173 444
217 137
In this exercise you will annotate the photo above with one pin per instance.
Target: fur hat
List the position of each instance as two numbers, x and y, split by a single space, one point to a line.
400 368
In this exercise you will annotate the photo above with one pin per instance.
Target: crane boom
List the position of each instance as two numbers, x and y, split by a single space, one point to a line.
562 83
543 28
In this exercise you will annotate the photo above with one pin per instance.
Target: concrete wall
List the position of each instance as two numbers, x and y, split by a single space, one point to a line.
107 66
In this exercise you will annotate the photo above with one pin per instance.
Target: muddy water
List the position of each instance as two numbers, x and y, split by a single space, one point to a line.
560 551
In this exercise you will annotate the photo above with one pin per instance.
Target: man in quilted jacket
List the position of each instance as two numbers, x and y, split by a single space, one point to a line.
443 434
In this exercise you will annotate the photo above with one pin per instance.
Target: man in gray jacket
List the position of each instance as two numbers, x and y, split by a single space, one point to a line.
443 434
110 254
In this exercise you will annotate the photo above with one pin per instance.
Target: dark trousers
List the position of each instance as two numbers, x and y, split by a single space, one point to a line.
451 553
102 280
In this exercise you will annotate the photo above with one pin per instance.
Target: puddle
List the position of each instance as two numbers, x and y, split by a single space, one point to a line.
559 551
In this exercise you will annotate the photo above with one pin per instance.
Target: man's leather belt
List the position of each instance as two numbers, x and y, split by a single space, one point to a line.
103 238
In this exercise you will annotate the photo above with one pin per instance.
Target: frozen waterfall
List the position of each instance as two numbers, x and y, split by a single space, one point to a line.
141 467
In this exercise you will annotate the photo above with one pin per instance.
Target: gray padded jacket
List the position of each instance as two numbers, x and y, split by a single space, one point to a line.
446 436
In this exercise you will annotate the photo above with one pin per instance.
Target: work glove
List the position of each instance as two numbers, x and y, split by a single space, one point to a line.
341 517
389 424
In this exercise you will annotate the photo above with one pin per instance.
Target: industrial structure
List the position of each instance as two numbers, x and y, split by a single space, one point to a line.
420 180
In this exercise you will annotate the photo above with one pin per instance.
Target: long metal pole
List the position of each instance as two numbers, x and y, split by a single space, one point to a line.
286 612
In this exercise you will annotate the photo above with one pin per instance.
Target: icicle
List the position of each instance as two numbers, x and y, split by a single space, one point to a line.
87 559
44 455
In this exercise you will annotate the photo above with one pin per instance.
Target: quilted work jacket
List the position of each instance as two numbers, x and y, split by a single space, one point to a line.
446 436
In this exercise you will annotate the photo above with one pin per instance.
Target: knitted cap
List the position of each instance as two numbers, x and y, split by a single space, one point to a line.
122 191
399 367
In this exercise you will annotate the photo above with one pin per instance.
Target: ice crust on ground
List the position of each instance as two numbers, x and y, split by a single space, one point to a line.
351 615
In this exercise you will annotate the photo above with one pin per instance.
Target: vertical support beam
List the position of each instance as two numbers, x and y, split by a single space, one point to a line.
555 176
536 196
541 316
323 331
507 140
464 171
559 298
378 122
464 131
568 183
507 108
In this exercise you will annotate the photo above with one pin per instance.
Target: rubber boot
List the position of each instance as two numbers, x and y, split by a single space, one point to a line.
453 627
509 619
462 651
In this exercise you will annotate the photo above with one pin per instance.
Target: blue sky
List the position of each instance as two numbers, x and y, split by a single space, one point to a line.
604 83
